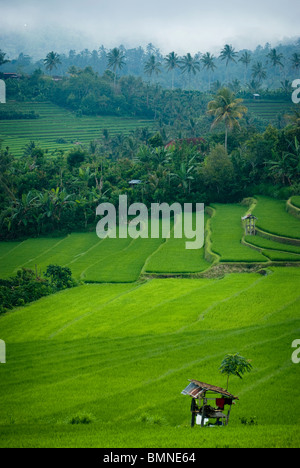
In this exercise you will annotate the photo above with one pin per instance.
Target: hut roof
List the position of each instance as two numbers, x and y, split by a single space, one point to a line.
249 216
196 387
134 182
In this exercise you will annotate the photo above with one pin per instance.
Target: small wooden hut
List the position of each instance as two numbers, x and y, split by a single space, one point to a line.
134 183
202 412
249 223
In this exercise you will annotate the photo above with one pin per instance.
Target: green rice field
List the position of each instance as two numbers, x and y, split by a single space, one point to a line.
120 355
123 260
273 218
103 364
58 123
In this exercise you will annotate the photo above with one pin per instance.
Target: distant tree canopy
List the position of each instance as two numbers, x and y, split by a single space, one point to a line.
172 70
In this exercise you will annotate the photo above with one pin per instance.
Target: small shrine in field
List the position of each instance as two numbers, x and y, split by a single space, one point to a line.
249 223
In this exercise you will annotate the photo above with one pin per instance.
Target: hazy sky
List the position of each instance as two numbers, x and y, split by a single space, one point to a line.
183 26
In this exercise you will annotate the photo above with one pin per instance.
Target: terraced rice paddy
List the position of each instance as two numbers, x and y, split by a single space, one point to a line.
273 218
118 354
90 258
58 123
269 110
227 233
123 260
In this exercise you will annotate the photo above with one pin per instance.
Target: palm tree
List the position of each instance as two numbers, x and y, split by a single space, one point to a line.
235 86
228 53
245 59
225 108
285 166
275 58
152 66
25 209
51 61
209 64
254 87
3 60
189 65
116 60
73 71
184 175
234 364
259 72
172 62
286 87
296 60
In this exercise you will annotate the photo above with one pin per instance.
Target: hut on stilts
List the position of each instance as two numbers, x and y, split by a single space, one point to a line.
249 224
202 412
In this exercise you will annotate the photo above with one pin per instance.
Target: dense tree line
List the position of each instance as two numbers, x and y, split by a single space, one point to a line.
265 67
86 92
28 286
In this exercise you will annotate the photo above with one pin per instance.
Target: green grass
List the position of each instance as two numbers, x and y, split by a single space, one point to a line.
102 260
120 354
173 257
276 256
88 257
273 218
227 232
56 122
296 201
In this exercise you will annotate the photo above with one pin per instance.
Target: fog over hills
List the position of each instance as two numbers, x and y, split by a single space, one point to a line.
34 27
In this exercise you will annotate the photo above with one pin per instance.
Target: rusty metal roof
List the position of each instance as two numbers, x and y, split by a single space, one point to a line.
195 388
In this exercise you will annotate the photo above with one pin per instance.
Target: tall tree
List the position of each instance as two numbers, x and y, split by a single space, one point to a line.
259 72
51 61
225 108
3 60
276 59
234 364
229 54
116 61
189 65
172 62
296 60
245 59
209 64
152 66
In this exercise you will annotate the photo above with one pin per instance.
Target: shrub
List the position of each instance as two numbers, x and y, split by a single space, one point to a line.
26 287
82 418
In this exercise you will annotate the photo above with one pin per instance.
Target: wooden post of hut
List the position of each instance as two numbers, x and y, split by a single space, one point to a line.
250 224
